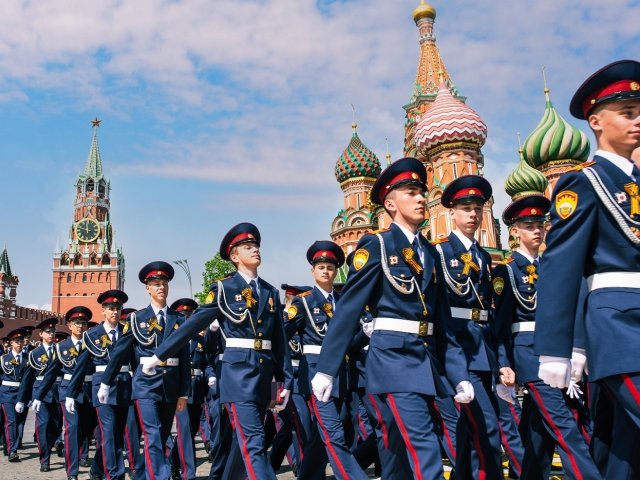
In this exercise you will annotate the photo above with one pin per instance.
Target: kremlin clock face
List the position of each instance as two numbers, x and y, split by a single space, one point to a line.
87 230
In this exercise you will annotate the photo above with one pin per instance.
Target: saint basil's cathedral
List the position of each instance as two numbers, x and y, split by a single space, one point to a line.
447 136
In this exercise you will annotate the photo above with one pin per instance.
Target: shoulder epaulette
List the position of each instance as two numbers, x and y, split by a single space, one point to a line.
304 294
584 165
381 230
229 275
440 240
505 261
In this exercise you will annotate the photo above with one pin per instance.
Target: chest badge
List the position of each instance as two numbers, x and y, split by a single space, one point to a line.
621 197
454 263
316 311
393 260
272 306
238 298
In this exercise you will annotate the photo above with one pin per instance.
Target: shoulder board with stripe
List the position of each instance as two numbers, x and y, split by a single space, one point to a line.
582 166
304 294
438 241
505 261
382 230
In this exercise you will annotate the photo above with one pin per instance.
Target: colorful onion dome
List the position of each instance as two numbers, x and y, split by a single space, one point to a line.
525 180
449 120
554 139
424 10
357 160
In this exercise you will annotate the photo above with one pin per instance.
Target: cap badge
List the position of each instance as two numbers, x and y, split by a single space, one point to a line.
634 86
415 176
472 192
534 211
566 203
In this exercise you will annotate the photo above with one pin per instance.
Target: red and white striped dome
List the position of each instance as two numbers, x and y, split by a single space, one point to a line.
449 120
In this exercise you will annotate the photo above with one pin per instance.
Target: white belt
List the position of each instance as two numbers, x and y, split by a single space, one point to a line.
295 362
311 349
474 314
613 280
523 327
196 372
405 326
253 343
41 377
8 383
365 348
102 368
87 378
169 362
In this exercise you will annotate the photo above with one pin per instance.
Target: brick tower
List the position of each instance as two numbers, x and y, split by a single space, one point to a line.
90 263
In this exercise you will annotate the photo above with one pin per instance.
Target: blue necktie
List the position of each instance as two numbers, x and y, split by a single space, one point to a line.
254 289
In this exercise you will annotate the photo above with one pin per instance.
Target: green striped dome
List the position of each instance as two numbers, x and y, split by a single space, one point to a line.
554 139
357 160
525 180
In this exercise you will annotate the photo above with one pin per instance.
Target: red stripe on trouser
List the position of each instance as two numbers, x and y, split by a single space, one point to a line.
104 450
445 430
363 429
556 430
383 427
6 428
327 439
147 457
67 450
405 435
632 388
243 443
512 458
514 414
476 441
181 450
127 439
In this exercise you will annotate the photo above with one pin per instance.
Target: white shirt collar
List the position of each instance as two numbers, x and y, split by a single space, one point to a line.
410 235
526 255
108 329
619 161
247 278
324 292
163 310
16 355
465 240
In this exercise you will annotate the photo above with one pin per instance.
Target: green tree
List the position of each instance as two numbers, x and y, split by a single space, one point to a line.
214 270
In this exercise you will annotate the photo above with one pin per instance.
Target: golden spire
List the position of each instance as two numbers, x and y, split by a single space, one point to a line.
386 139
424 10
546 89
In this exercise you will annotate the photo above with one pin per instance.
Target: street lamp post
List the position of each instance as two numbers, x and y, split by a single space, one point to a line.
184 265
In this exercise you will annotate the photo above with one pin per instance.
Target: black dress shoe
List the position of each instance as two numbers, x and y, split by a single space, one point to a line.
14 457
45 467
85 462
60 449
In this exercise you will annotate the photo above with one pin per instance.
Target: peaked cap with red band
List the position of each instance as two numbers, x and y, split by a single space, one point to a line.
82 314
125 312
47 323
294 289
532 208
17 333
325 251
466 188
60 336
241 233
614 82
156 271
113 297
406 171
184 304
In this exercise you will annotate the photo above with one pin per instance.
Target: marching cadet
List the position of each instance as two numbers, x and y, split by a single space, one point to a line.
549 420
248 312
396 273
310 315
48 424
158 396
98 345
13 365
467 273
595 233
183 453
80 426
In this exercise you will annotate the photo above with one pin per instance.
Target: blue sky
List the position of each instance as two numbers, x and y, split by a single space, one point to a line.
220 112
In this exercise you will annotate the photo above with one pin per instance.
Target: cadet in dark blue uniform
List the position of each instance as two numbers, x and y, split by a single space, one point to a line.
183 453
48 423
249 314
98 345
310 316
595 233
81 425
549 421
13 365
160 395
467 271
397 274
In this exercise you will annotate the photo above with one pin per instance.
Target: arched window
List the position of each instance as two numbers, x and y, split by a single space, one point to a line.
84 278
68 278
90 185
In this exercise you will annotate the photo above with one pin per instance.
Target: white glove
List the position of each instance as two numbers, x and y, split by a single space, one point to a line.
214 326
211 382
285 396
149 368
573 390
555 371
578 363
321 385
508 394
19 407
367 328
35 406
465 392
103 393
70 405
